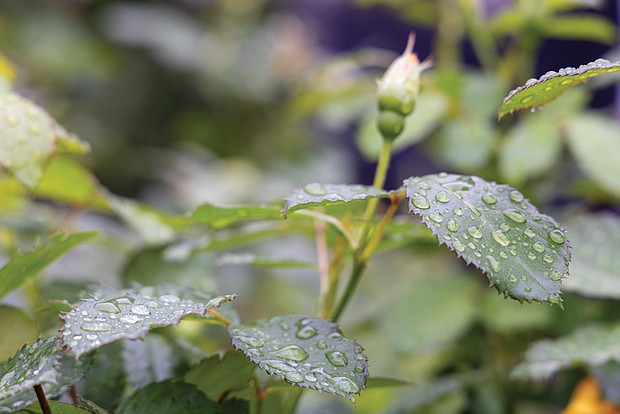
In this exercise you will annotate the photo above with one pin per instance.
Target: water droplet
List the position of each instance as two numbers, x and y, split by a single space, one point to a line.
527 289
489 198
547 259
253 353
423 185
359 368
284 325
515 215
495 266
314 189
306 332
538 247
77 337
436 217
169 299
124 301
512 278
529 232
292 352
421 202
557 236
279 366
452 225
474 232
90 337
500 237
503 255
96 327
504 227
337 358
140 310
345 385
471 246
130 319
310 377
458 246
516 196
531 256
458 212
107 307
321 344
442 196
555 275
249 340
294 377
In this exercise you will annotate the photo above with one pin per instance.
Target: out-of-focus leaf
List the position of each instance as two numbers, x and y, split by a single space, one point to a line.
26 265
592 345
595 264
538 92
168 397
130 314
106 379
215 376
6 69
304 351
506 317
580 27
530 149
381 382
608 378
221 217
524 253
465 144
148 223
13 195
58 408
593 140
315 195
17 329
147 361
448 305
252 259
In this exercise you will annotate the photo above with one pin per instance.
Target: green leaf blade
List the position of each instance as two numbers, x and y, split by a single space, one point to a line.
304 351
168 397
130 314
524 253
316 195
538 92
215 376
219 218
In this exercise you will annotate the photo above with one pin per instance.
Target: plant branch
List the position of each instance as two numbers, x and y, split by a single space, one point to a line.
219 316
331 220
359 266
322 263
372 244
45 407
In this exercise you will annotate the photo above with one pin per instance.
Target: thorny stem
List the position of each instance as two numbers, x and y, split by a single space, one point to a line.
45 407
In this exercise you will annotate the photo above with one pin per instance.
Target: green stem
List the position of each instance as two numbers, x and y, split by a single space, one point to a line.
359 266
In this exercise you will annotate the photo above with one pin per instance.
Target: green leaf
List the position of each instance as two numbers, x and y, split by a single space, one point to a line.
580 27
595 264
387 382
234 406
509 317
221 217
150 224
215 376
18 328
147 361
591 345
524 253
315 195
465 144
168 397
58 408
593 140
255 260
24 266
538 92
130 314
304 351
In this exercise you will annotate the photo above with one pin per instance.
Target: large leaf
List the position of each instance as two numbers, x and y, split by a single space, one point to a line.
58 408
538 92
595 264
594 141
308 352
24 266
591 345
215 376
315 195
168 397
130 314
221 217
524 253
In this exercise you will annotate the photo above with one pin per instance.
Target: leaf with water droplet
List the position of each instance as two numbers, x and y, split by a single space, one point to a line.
538 92
494 227
591 345
130 314
310 352
315 195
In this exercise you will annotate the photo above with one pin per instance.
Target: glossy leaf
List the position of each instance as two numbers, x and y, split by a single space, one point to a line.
218 217
315 195
591 345
595 264
525 254
538 92
304 351
215 376
593 140
130 314
17 328
26 265
168 397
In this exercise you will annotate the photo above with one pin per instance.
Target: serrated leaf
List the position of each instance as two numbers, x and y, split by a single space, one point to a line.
595 264
26 265
524 253
18 328
592 345
218 217
215 376
315 195
168 397
538 92
304 351
130 314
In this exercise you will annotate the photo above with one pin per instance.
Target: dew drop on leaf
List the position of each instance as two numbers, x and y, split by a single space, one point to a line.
555 275
516 196
489 198
436 217
337 358
452 226
421 202
529 232
442 196
495 266
345 385
474 232
515 215
306 332
292 352
557 236
538 247
500 237
314 189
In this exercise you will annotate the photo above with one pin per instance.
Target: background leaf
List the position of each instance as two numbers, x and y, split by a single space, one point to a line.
221 217
308 352
168 397
17 329
58 408
524 253
130 314
315 195
538 92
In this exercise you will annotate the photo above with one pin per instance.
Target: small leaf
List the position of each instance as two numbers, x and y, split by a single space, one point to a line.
18 329
591 345
215 376
595 264
130 314
24 266
524 253
315 195
308 352
221 217
168 397
538 92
